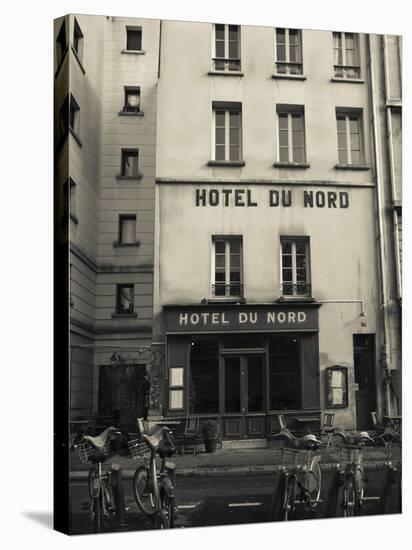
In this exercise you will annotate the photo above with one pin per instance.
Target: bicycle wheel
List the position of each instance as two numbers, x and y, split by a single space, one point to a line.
289 496
143 491
314 480
167 511
350 502
96 513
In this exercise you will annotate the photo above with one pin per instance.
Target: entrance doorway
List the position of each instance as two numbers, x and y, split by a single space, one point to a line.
364 361
243 396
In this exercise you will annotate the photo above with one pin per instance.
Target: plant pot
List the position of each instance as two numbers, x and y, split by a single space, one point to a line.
210 445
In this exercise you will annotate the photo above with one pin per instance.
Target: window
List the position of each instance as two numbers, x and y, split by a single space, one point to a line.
74 116
227 267
130 161
346 55
134 38
127 229
349 138
291 137
204 377
227 48
72 199
61 44
125 299
64 119
131 99
289 51
284 372
78 40
295 266
228 132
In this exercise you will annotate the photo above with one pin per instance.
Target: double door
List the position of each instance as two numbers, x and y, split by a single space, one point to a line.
244 396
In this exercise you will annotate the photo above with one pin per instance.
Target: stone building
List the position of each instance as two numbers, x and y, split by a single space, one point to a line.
234 222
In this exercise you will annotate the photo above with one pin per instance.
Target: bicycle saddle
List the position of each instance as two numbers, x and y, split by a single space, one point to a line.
308 441
99 441
156 438
355 438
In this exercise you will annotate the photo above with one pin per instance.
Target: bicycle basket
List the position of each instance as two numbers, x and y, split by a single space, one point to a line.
293 457
350 455
138 449
86 451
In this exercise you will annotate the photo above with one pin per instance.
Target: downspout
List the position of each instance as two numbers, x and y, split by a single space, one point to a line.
380 237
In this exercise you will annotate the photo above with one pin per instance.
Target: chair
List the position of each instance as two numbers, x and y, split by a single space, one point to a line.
282 422
191 433
328 427
377 423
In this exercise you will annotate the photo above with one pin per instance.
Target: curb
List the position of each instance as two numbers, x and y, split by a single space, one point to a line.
227 471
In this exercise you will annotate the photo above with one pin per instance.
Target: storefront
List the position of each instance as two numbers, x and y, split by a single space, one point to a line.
243 365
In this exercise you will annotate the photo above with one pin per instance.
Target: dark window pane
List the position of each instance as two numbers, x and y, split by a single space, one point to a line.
233 50
284 372
233 32
297 121
283 121
280 52
343 159
220 152
232 384
298 155
220 247
234 136
283 138
283 154
134 39
287 247
286 275
220 51
239 341
255 384
280 36
355 157
300 248
220 32
286 260
220 136
234 153
281 68
125 299
235 247
204 377
220 118
220 276
342 140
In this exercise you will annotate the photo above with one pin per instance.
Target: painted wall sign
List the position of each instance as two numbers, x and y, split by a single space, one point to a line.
276 198
241 318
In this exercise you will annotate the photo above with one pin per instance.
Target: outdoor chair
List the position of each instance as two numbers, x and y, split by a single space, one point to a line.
282 422
377 423
191 434
328 427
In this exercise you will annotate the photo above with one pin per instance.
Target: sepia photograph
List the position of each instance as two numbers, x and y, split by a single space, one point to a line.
228 251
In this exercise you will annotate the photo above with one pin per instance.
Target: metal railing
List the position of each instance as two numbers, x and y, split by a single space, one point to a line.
231 290
298 289
226 64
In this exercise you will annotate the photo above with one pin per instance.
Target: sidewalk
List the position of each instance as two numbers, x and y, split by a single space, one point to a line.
231 462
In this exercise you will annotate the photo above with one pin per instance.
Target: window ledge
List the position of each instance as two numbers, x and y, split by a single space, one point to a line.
225 73
223 300
307 299
129 178
76 137
124 315
133 52
127 113
74 218
78 61
288 76
352 166
228 163
291 165
117 244
351 80
61 62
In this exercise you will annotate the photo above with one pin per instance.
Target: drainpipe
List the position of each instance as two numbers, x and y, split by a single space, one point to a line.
380 237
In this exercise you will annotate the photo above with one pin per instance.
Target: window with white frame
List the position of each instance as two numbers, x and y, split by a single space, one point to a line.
131 99
349 131
291 134
127 229
227 48
346 62
78 40
227 132
295 272
130 163
133 38
289 51
227 278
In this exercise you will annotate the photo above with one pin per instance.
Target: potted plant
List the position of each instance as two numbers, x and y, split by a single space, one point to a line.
210 435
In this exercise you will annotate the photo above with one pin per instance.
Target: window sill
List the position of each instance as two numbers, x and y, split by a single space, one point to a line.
352 167
129 178
226 163
76 137
288 76
61 62
74 218
307 299
78 60
303 165
224 300
351 80
116 244
225 73
127 113
133 52
124 315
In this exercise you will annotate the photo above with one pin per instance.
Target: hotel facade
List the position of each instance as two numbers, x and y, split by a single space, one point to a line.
237 233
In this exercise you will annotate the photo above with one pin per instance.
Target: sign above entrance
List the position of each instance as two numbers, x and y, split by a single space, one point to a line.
239 318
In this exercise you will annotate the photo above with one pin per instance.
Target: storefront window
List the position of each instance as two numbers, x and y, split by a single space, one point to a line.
284 372
242 341
204 377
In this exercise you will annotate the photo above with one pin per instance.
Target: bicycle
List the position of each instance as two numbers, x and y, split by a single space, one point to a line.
153 489
97 450
297 475
392 473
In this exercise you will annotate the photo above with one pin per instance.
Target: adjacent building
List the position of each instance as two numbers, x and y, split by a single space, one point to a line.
235 221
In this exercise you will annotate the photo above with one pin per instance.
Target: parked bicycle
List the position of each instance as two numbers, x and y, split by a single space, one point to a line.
300 479
391 498
153 488
351 471
97 450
